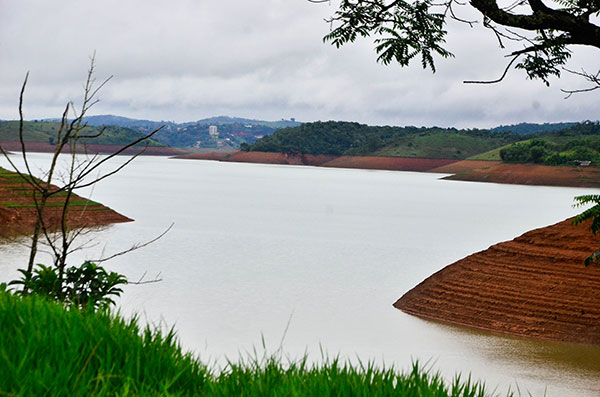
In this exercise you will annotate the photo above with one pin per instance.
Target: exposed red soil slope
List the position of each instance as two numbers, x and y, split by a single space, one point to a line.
90 148
387 163
18 213
463 166
261 158
535 286
522 174
465 170
361 162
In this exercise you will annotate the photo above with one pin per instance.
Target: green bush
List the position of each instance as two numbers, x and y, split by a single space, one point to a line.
85 286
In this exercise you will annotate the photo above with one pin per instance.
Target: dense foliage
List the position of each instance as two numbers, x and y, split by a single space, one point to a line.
593 214
537 35
580 142
346 138
47 350
88 286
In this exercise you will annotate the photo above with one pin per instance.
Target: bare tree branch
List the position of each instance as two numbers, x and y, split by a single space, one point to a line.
142 282
497 80
62 240
136 246
592 78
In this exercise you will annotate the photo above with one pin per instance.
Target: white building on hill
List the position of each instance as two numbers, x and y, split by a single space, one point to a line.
213 131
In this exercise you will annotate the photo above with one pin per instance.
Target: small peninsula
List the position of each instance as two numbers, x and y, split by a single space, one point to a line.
533 286
18 212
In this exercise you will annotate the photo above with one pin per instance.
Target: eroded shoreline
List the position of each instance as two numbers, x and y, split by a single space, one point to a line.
533 286
18 211
461 170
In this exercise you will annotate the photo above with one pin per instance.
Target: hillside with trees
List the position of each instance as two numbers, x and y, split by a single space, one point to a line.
532 128
346 138
45 132
552 145
572 146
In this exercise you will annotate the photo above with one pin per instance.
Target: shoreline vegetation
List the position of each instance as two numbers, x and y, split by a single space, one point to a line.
102 354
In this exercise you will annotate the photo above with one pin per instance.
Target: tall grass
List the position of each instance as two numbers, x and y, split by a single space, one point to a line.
48 350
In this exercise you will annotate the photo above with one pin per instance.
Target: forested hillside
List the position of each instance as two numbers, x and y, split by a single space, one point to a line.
532 128
346 138
579 143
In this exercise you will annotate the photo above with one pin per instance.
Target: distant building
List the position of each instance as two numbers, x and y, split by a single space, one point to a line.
213 131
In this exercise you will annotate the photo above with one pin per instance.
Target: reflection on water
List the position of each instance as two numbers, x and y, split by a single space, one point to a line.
254 245
560 356
535 359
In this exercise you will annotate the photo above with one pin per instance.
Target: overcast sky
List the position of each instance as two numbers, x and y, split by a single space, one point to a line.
185 60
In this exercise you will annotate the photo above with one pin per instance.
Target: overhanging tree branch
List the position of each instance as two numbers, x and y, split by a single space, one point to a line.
405 29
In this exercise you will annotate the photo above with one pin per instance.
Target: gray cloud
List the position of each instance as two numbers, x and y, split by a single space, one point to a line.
184 60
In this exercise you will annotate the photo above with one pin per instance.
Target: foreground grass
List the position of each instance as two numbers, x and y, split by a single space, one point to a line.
47 350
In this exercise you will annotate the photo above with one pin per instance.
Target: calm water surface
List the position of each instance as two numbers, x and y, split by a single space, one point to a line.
324 253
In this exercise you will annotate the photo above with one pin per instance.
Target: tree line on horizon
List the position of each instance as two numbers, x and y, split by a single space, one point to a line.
348 138
561 144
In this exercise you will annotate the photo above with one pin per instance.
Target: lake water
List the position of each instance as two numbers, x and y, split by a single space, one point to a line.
312 259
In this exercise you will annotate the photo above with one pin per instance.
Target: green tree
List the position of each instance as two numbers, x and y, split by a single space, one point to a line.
592 213
409 29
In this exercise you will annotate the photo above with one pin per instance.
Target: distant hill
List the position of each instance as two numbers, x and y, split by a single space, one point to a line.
345 138
237 120
119 121
45 132
330 137
532 128
232 131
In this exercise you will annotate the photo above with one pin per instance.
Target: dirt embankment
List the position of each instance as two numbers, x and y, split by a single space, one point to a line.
464 166
522 174
465 170
18 212
261 158
360 162
387 163
93 149
535 286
